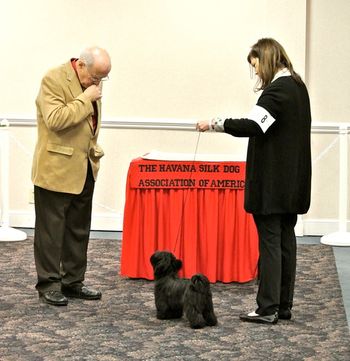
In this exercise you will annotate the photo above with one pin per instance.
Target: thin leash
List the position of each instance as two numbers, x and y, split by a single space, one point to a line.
186 195
256 271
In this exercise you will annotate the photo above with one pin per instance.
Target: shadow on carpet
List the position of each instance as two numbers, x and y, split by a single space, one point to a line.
123 326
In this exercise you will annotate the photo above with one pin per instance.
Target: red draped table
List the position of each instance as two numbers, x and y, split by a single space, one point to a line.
193 209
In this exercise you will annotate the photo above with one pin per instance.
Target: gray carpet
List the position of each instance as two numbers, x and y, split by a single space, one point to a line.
123 326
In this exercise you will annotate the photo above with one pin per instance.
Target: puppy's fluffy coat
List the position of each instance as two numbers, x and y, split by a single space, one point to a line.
175 296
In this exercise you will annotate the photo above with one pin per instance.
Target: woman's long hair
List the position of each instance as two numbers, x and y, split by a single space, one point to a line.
272 58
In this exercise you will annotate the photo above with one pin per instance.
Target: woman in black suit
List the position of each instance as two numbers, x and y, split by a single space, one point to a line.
278 173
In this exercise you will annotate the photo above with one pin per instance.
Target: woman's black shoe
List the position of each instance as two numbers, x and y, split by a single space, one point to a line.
254 317
285 314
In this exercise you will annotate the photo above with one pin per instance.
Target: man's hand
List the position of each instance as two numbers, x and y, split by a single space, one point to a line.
93 92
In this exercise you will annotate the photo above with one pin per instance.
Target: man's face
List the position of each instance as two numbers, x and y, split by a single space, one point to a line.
91 75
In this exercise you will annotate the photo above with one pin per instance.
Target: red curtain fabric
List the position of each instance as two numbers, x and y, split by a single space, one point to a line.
207 229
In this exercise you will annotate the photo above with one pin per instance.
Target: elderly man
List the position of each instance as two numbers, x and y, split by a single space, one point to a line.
65 166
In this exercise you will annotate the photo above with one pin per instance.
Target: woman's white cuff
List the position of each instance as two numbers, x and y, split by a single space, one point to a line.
217 125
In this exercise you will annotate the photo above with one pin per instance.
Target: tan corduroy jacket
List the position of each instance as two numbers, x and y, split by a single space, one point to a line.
65 133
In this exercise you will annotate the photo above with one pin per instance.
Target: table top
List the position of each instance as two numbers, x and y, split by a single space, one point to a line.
202 157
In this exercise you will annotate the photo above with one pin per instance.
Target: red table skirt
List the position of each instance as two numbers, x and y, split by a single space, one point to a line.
207 229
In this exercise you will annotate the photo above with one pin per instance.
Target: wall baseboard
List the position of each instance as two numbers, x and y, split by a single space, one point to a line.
321 227
114 222
100 221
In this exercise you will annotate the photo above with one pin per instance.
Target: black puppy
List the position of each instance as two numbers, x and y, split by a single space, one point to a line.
174 295
198 303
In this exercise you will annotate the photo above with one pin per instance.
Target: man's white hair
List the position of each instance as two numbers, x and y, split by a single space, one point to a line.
88 56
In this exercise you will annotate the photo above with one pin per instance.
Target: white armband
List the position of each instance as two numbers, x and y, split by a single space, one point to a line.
262 117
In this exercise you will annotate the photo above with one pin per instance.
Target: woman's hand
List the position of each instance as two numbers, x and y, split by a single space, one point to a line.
203 125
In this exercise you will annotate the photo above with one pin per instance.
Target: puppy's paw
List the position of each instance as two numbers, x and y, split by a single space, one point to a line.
197 322
169 315
210 319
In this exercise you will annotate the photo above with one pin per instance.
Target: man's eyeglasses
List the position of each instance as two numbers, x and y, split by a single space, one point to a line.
96 79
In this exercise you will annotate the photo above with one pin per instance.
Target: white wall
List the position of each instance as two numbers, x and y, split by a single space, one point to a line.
328 49
179 59
171 58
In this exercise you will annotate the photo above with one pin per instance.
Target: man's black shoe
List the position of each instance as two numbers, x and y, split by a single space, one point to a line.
254 317
285 314
82 292
55 298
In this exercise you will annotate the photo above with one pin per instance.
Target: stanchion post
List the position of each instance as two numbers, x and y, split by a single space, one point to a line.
342 237
6 232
